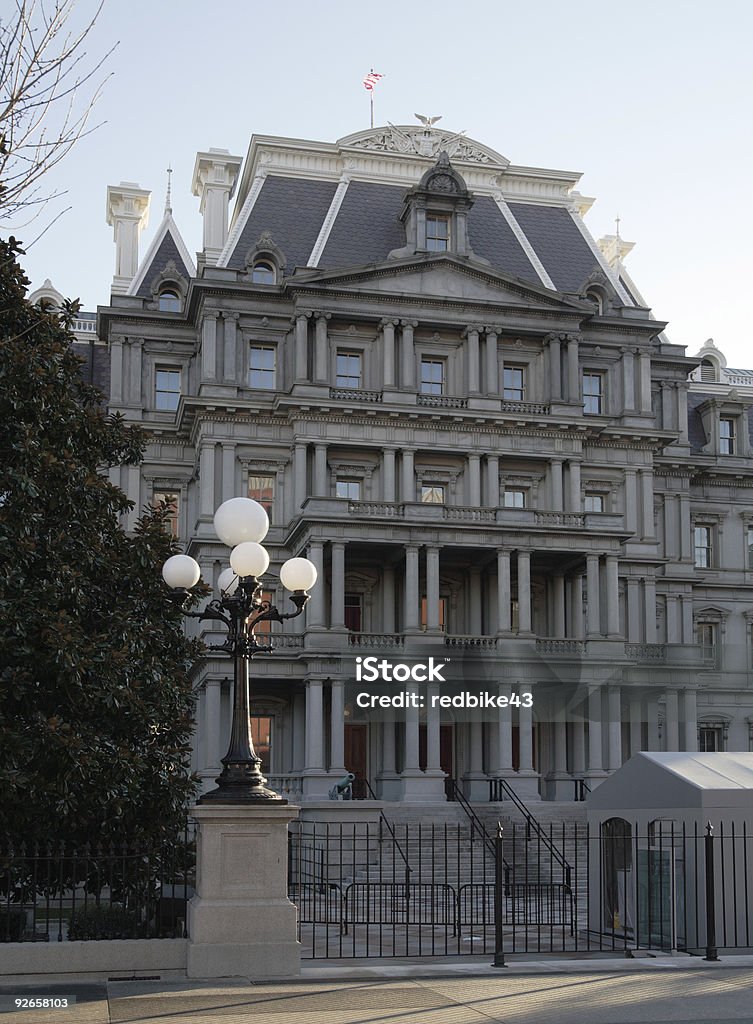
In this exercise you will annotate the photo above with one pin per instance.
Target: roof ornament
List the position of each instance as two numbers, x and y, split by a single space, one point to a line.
168 197
428 121
617 223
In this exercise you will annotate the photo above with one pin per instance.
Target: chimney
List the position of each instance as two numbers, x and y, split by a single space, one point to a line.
214 176
128 212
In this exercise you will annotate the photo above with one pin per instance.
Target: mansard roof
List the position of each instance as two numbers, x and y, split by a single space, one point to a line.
167 246
338 205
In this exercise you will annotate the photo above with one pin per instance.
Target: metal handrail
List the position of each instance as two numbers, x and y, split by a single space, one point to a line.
458 795
533 826
398 847
581 788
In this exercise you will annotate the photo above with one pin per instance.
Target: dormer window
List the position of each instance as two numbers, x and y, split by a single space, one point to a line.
726 435
437 232
709 371
263 273
169 301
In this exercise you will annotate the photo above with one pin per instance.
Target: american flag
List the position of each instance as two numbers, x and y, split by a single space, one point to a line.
371 80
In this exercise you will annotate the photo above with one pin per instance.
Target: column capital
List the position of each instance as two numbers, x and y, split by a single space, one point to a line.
472 329
388 321
555 336
301 314
492 329
321 315
409 323
231 315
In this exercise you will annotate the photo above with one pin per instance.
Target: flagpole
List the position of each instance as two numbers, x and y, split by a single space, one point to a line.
371 104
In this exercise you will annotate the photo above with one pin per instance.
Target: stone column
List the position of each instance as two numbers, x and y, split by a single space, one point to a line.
555 471
408 360
116 371
492 481
555 368
636 722
230 349
492 363
595 756
301 347
576 607
388 599
612 596
573 370
337 585
524 591
593 612
634 631
671 721
388 474
432 588
314 726
647 494
135 354
410 753
628 379
315 606
578 729
671 523
228 471
631 501
474 481
674 622
408 488
525 733
645 389
321 349
411 588
686 529
686 604
558 594
206 479
649 598
667 405
209 347
504 623
388 352
682 411
299 474
652 720
432 730
472 350
615 727
690 741
212 723
474 600
504 734
321 482
576 503
337 728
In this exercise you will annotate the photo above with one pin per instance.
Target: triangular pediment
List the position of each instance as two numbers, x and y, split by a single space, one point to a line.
436 278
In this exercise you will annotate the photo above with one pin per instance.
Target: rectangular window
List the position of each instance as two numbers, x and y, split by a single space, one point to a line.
726 436
437 232
261 488
432 376
593 502
167 390
171 499
348 370
593 393
353 612
702 544
513 385
442 614
706 634
709 740
261 371
749 537
514 497
346 488
261 736
432 494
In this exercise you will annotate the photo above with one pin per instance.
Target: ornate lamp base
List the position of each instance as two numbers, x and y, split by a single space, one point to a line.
241 783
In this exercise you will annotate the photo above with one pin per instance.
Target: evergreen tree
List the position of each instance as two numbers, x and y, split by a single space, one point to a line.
95 699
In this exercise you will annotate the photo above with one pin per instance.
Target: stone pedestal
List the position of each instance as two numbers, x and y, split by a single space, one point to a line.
240 921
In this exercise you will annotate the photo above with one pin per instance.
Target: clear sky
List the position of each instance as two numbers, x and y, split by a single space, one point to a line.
650 100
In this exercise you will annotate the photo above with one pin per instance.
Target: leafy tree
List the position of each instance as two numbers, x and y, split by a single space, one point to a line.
95 699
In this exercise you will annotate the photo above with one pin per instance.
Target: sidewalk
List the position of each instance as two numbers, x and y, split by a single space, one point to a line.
679 990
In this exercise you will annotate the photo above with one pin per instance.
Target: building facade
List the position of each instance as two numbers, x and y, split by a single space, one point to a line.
458 405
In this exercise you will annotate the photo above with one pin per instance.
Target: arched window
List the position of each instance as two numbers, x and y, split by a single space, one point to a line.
169 301
263 273
594 295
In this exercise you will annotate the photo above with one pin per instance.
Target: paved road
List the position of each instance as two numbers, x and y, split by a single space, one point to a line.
720 995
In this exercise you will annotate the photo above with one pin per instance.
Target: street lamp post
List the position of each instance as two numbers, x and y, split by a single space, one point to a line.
241 523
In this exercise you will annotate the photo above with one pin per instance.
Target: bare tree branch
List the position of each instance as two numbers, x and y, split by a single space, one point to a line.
48 89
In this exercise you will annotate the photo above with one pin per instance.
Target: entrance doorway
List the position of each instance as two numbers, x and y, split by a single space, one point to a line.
356 757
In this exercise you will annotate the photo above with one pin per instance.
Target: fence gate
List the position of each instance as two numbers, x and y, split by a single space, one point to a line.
377 890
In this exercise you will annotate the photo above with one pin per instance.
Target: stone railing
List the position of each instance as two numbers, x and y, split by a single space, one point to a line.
568 648
279 640
289 786
390 509
378 640
469 513
355 395
525 408
483 643
442 402
646 652
576 519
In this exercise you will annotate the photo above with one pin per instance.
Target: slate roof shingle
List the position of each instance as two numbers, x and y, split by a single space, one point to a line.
567 257
168 250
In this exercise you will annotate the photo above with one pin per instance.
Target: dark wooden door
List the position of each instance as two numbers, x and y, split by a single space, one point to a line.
356 751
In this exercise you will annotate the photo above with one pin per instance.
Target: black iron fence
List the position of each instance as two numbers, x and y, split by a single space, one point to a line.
414 890
98 891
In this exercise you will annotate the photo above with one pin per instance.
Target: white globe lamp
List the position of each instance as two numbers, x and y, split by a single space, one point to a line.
249 559
298 574
227 583
241 519
181 572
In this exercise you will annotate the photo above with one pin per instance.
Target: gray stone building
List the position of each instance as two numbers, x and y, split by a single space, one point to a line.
459 406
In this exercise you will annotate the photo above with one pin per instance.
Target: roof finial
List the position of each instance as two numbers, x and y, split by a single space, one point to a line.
168 197
617 222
